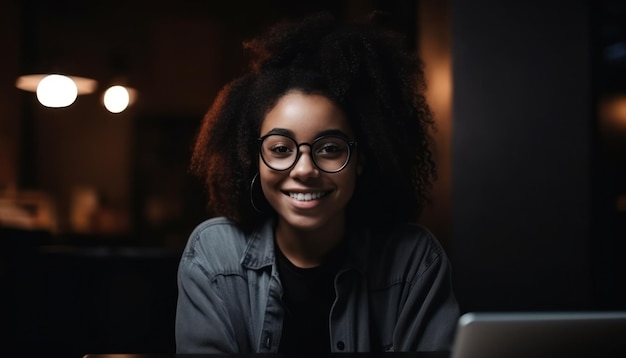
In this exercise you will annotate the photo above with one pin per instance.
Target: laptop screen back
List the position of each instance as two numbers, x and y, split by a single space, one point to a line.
541 334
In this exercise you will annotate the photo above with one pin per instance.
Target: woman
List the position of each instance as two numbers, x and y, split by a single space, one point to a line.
315 161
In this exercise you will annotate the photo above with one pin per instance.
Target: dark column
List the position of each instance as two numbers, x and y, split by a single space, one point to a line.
521 154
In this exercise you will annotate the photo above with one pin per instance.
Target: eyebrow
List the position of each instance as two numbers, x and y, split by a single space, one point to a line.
281 131
327 132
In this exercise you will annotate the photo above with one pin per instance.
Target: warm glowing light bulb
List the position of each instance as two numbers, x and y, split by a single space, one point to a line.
56 91
116 99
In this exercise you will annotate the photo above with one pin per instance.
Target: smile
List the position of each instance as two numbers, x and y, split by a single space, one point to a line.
306 196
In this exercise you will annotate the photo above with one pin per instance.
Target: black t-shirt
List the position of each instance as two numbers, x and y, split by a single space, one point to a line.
308 295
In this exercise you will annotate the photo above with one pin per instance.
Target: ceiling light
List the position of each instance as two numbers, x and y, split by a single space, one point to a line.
30 82
56 91
117 98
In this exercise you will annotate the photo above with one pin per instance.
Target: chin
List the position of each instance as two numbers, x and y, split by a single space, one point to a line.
304 223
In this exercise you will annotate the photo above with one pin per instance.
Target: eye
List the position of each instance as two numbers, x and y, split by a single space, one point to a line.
278 146
281 149
330 148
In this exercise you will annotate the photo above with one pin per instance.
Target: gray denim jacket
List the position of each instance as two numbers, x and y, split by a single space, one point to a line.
394 293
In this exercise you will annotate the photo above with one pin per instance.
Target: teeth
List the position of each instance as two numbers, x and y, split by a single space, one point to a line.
306 197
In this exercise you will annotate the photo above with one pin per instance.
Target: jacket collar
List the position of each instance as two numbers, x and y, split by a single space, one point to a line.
259 252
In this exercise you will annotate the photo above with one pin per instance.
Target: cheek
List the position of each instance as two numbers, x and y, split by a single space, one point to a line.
348 181
268 180
263 178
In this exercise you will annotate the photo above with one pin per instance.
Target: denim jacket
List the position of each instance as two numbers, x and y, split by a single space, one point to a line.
393 293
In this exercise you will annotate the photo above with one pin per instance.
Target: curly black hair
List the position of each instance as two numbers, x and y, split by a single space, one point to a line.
369 73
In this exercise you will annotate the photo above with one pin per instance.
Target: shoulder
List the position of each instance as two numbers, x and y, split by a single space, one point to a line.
217 232
216 244
215 226
407 237
406 247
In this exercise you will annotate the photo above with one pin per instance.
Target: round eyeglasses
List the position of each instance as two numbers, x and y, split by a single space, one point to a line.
330 154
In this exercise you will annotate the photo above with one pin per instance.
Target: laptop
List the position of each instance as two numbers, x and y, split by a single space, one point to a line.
540 334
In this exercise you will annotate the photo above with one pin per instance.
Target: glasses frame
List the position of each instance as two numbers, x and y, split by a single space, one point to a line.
351 147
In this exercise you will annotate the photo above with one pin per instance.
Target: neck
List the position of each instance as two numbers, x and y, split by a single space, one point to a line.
309 248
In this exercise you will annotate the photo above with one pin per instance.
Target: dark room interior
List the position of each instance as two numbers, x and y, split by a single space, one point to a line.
96 207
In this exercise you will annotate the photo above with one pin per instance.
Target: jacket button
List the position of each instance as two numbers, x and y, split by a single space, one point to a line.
341 346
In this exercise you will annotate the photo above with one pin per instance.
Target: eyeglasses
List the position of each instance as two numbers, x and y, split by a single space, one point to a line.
330 154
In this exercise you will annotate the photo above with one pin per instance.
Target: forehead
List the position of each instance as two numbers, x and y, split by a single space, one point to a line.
305 115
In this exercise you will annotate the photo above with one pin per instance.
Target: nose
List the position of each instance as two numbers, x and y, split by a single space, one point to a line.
304 167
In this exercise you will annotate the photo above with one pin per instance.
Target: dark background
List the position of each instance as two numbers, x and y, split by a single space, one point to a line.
530 203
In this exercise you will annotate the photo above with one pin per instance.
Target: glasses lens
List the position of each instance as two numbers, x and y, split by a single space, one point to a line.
331 153
279 152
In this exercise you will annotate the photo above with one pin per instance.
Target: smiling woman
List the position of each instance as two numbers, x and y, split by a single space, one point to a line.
316 161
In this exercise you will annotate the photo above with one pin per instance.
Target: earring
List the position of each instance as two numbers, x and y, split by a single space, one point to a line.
252 194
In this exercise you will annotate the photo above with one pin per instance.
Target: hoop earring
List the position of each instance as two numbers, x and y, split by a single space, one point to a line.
256 208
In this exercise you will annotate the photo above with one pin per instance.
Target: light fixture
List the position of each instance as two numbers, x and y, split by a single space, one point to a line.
56 90
117 98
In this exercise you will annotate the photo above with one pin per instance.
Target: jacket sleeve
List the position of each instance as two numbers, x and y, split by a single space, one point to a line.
202 322
428 318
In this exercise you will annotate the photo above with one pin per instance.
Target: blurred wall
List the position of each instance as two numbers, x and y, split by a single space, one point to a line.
521 189
435 48
9 111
